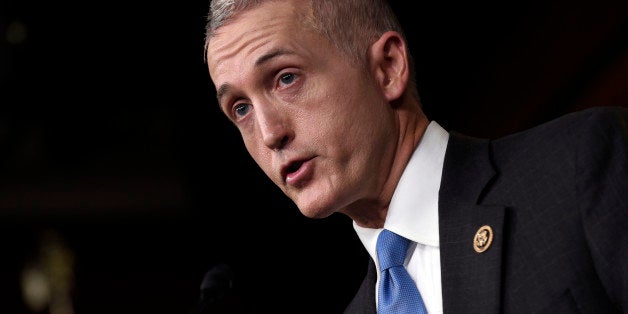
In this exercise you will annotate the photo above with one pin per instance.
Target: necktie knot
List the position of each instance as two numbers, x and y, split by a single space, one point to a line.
397 292
391 249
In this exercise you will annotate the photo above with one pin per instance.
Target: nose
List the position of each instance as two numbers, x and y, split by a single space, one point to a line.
275 130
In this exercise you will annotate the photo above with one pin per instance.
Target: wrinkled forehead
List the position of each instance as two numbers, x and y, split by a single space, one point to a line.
249 33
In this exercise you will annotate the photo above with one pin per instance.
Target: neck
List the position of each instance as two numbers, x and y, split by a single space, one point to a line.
371 213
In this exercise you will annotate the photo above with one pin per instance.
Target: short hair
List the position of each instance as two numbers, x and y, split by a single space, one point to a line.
350 25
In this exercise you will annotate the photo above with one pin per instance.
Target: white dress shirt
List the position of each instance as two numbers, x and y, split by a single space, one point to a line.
413 214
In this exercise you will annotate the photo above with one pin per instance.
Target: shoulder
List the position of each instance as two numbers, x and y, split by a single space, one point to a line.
594 119
595 125
597 129
605 119
573 144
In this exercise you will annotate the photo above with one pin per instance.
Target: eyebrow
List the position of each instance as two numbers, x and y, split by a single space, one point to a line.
270 55
224 88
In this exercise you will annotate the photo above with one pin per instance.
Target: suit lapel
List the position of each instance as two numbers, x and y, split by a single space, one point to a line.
471 280
364 300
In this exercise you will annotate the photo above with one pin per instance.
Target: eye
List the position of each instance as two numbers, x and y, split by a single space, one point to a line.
287 78
241 109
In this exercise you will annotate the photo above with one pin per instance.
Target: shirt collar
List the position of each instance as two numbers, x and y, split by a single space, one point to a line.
413 209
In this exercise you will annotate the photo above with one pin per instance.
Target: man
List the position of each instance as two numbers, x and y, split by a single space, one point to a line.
328 108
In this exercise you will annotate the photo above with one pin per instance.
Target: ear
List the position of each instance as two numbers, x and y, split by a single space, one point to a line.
389 63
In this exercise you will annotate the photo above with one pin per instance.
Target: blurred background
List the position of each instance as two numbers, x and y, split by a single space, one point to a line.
121 184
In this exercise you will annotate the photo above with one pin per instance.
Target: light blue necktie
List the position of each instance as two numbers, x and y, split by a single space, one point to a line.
397 291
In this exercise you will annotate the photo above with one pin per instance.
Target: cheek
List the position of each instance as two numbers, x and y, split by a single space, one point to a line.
334 119
254 149
261 156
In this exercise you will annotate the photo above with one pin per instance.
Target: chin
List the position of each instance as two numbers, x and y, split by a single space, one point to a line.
315 212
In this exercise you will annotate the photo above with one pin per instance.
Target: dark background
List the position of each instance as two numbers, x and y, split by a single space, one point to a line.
110 139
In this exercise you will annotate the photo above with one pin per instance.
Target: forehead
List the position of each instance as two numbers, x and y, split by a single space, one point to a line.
254 31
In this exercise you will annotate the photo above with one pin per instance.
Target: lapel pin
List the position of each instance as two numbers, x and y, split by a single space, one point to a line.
483 239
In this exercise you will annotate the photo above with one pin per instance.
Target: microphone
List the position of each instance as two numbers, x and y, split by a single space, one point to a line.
216 285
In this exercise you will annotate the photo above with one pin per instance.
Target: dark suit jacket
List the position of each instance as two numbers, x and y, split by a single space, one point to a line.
556 197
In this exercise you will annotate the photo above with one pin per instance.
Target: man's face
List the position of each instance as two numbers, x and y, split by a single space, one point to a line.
316 124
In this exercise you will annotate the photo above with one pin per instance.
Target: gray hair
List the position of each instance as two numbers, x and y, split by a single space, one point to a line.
350 25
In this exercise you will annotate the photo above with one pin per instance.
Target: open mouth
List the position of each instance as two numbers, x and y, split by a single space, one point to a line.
291 168
297 171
